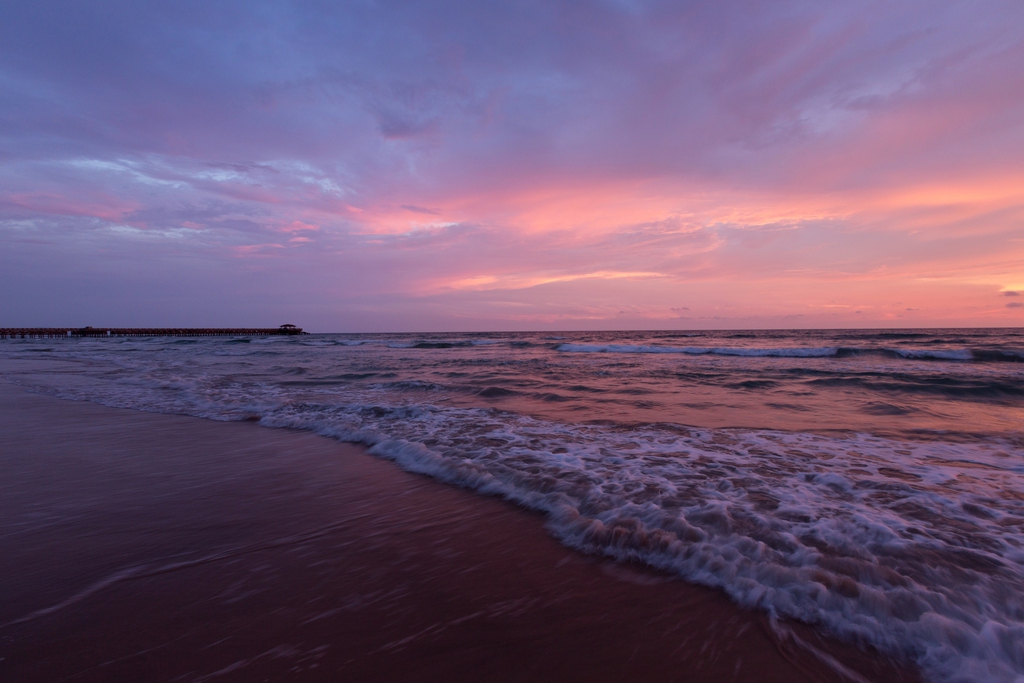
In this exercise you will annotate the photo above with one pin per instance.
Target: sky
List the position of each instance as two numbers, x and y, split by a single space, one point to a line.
452 166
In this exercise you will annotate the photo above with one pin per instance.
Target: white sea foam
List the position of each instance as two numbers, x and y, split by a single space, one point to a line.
914 546
783 352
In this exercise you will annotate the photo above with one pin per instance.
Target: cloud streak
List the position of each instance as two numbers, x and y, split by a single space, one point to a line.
396 166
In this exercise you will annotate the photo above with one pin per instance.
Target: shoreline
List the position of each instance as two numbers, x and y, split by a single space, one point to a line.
149 546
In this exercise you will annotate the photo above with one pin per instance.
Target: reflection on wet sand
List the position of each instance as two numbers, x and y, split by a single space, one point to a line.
154 547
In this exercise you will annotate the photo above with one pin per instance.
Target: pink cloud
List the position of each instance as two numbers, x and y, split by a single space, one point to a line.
675 164
299 226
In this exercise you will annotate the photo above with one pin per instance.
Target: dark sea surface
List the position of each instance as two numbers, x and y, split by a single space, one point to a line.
870 482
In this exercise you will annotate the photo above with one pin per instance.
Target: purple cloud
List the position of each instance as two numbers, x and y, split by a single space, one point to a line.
361 161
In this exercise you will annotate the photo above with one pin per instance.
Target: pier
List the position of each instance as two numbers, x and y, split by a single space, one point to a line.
73 332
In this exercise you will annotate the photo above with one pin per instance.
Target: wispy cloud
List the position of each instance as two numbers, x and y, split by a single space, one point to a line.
388 164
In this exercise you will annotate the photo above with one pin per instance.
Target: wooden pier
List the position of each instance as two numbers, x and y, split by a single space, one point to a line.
71 332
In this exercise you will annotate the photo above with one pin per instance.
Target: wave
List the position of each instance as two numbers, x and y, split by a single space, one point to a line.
814 352
496 392
334 342
915 545
1003 355
964 354
912 547
952 387
429 344
882 547
933 354
411 385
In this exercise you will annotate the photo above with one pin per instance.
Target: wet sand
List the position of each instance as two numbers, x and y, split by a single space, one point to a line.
145 547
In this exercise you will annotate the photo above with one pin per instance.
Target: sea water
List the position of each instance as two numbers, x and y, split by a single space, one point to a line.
867 482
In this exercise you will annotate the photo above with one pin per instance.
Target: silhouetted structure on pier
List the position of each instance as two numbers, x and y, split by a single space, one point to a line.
66 332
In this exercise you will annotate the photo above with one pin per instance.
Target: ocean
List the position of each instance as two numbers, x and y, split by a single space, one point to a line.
868 482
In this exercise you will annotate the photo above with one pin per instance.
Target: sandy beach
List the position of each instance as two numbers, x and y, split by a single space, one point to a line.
151 547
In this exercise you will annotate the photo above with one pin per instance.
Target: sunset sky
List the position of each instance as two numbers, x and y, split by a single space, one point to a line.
386 166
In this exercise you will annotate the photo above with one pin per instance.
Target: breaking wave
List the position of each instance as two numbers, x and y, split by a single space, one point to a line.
802 352
910 538
875 539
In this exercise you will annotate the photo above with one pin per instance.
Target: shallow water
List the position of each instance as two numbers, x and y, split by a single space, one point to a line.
871 482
